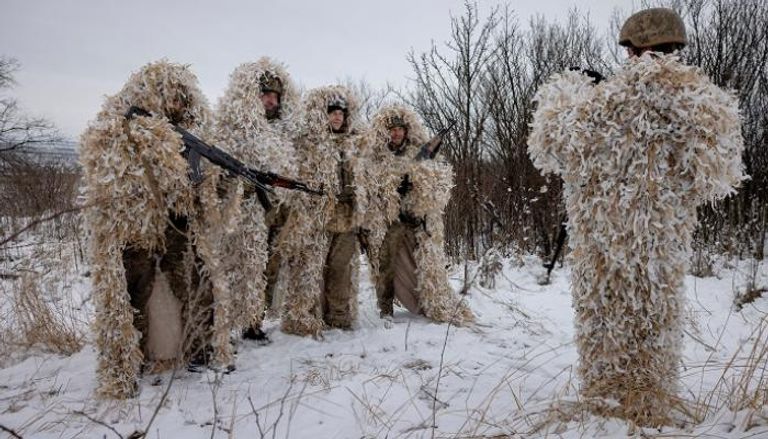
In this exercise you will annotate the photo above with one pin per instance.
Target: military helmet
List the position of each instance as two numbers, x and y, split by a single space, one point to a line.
337 102
653 27
268 82
396 121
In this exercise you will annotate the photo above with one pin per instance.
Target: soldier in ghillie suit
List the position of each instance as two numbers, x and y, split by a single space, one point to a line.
255 122
153 235
637 153
319 241
405 224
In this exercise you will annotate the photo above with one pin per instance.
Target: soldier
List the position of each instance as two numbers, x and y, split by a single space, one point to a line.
153 288
255 121
319 242
406 223
637 153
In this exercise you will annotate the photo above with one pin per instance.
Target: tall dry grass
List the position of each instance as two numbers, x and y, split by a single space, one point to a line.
40 322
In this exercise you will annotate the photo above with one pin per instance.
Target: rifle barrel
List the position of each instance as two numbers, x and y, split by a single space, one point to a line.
261 180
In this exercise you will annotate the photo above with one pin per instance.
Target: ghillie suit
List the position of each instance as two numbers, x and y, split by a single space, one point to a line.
319 241
405 223
152 231
242 127
637 153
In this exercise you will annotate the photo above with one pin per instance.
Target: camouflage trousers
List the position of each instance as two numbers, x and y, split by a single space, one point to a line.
397 270
275 220
180 267
338 289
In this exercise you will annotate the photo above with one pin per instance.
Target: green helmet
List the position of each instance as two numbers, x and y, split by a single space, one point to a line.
653 27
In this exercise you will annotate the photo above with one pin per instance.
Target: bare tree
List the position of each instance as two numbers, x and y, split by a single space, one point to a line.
371 98
485 77
18 129
528 202
28 187
449 86
729 41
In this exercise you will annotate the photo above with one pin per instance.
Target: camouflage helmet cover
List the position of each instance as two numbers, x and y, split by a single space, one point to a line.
652 27
396 121
270 82
337 102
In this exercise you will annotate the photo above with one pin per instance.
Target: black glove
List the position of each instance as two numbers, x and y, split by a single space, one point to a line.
410 220
405 186
596 76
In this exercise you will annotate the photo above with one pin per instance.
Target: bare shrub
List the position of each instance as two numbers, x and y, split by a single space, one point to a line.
30 189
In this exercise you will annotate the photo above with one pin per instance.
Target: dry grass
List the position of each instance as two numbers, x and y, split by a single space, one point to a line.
41 248
742 385
37 322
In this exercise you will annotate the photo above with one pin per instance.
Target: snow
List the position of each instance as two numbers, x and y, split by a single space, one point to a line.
511 374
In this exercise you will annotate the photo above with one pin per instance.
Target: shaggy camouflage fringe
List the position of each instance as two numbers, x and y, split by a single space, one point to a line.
638 153
136 176
246 259
305 239
243 129
432 183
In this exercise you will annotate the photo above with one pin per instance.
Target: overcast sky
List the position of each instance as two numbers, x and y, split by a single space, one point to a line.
73 53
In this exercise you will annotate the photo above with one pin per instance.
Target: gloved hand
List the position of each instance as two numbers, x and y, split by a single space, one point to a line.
405 186
410 220
597 77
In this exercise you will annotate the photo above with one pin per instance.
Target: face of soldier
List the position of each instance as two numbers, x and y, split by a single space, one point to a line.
336 119
271 102
177 105
397 135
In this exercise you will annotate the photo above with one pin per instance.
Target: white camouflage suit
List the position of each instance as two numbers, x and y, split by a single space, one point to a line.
243 129
319 242
152 232
406 231
637 153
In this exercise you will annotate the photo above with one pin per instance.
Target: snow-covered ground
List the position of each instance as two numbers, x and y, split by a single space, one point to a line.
511 375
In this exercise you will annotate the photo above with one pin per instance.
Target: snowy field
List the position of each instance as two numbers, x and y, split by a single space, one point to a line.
511 375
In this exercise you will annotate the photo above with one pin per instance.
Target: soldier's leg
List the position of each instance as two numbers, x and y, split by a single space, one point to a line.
338 288
275 221
385 290
254 332
404 271
250 273
139 267
182 268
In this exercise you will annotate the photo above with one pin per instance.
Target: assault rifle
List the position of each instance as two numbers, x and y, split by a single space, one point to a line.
561 235
194 148
429 150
